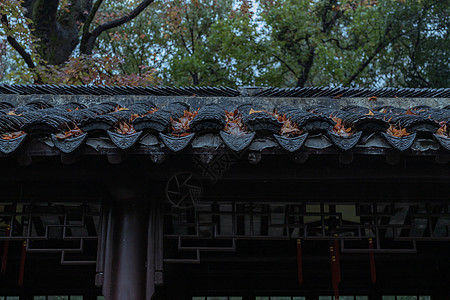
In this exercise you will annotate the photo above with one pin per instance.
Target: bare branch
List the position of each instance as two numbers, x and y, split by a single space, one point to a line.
89 42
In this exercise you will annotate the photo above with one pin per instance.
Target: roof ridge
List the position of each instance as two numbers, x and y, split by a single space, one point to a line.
209 91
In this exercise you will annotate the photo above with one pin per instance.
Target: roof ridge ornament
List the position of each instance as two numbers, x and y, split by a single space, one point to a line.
70 144
10 146
237 143
175 143
400 143
124 141
291 144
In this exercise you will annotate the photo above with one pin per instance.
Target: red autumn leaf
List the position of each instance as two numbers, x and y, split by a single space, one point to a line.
181 125
234 123
124 128
252 111
12 135
397 132
442 131
74 132
340 128
410 112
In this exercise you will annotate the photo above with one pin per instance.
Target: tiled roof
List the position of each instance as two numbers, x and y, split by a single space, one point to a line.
175 126
309 92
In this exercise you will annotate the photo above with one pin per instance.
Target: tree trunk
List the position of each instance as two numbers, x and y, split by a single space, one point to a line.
308 65
195 79
58 34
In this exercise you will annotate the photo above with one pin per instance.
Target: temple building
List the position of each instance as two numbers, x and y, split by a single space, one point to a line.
204 193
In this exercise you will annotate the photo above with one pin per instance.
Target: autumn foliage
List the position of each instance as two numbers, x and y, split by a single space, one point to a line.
96 70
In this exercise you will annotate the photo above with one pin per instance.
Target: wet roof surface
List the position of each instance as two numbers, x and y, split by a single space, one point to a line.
71 126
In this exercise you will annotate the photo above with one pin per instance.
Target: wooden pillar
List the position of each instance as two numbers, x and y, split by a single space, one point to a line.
129 255
154 249
129 263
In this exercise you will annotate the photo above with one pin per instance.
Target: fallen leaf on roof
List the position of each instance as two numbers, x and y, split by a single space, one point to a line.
442 131
252 111
234 123
180 127
124 127
72 132
410 112
12 135
397 131
340 128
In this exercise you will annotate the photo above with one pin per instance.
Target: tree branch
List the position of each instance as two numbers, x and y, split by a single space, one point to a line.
191 31
338 44
416 72
382 43
89 42
184 43
309 63
285 64
87 25
16 45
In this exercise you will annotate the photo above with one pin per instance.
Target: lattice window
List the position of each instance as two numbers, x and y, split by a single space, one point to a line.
58 227
217 298
406 298
344 297
58 297
280 298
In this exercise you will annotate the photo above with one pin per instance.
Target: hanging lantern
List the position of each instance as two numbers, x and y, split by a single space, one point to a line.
373 271
299 262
